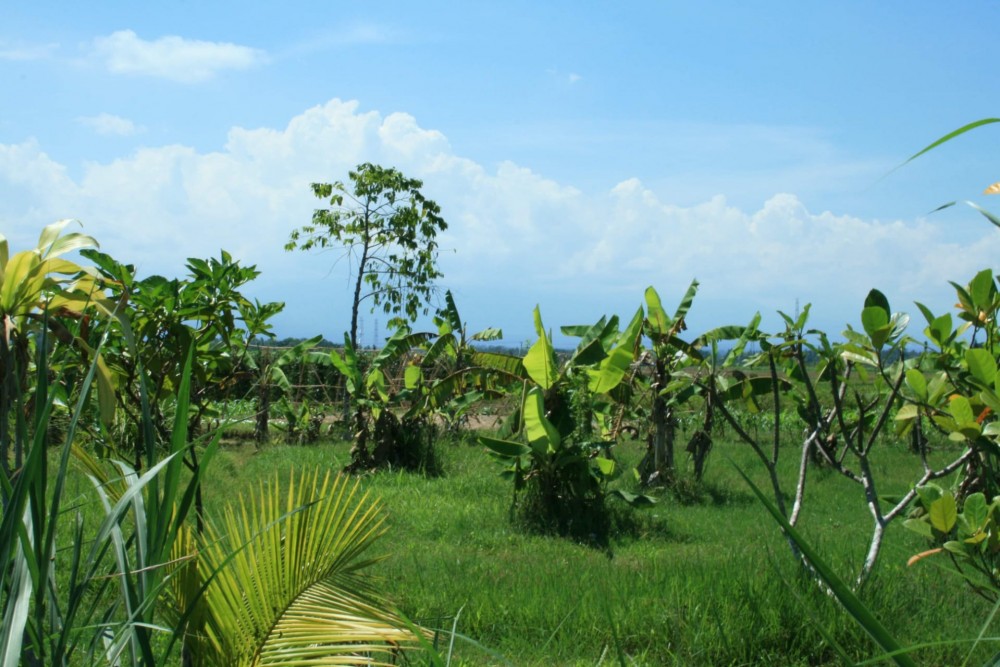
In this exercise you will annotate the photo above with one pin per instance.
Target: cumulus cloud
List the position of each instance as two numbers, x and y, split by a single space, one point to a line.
107 124
518 237
173 57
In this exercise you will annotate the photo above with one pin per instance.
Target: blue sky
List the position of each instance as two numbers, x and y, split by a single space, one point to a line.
579 151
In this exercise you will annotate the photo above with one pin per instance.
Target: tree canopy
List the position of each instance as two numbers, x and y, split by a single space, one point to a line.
388 231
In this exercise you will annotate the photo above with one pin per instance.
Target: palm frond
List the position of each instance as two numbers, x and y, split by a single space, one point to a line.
287 587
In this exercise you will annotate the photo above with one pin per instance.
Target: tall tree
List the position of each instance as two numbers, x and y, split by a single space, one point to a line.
388 231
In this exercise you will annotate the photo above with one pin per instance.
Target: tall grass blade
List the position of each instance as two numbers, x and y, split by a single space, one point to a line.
861 614
17 609
982 633
948 137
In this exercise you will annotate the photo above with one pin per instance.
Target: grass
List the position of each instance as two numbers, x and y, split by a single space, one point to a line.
705 582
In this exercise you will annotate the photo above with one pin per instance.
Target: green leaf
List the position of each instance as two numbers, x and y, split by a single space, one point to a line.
634 499
540 361
505 448
956 548
928 493
876 299
951 135
961 410
976 511
539 327
488 334
940 330
937 387
875 321
982 290
982 365
919 527
606 466
412 377
860 356
943 513
917 383
298 352
686 301
450 312
907 412
588 353
659 321
542 435
612 370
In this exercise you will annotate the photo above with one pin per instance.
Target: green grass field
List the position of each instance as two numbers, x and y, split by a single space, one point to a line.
708 581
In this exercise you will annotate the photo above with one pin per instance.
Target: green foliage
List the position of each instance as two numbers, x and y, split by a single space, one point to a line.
381 439
303 555
970 537
42 291
388 230
453 376
561 470
70 591
303 421
205 312
667 390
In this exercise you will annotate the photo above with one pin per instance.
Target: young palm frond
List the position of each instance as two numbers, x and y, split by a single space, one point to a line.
287 587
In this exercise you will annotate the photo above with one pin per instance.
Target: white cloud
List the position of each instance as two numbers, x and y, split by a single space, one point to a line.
22 52
346 35
573 77
172 57
107 124
517 236
364 33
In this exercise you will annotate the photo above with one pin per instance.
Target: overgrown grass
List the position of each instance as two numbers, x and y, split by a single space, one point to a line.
706 581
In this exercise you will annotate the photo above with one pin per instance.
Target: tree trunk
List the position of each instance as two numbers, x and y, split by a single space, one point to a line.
658 465
263 413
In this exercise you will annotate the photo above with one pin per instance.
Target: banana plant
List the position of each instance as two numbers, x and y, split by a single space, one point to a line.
453 376
719 380
560 465
271 378
375 388
670 355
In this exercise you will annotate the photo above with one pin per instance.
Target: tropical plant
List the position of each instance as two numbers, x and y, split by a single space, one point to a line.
561 470
453 376
283 580
271 377
388 230
40 290
669 353
67 588
380 438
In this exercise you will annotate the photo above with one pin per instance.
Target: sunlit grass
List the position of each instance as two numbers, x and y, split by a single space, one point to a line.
706 582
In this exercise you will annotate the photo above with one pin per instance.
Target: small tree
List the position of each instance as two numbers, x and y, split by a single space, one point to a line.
388 231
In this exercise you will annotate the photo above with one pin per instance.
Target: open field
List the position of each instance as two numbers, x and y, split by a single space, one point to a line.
708 581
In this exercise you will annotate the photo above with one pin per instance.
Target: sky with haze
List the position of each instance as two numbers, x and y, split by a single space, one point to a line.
580 151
